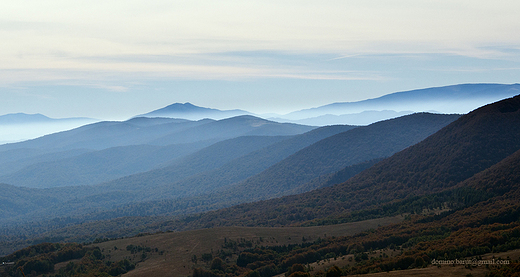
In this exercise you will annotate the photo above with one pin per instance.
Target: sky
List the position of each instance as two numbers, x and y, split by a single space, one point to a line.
116 59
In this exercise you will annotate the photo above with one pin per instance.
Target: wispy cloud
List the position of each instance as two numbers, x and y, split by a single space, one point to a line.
209 66
33 38
365 47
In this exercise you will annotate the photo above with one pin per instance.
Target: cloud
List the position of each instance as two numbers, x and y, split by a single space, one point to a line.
174 27
371 46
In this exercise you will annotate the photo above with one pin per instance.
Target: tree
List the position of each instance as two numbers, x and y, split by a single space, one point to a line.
419 262
217 264
334 271
296 270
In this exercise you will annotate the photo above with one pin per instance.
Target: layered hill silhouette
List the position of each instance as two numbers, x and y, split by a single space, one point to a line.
366 117
206 170
93 153
208 179
247 154
156 131
247 178
109 164
457 152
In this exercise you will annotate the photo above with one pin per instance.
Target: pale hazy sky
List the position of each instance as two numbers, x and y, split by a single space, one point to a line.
115 59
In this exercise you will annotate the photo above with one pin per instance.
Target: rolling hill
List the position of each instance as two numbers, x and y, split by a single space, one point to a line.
378 140
106 134
156 131
93 153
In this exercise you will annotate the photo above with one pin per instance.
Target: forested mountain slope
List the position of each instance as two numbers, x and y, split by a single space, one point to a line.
462 149
14 160
481 232
209 158
378 140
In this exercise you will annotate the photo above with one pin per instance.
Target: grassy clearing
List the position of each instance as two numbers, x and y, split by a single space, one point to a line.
176 253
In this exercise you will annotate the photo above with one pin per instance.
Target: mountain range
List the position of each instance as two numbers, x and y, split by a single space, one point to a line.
454 178
449 99
458 187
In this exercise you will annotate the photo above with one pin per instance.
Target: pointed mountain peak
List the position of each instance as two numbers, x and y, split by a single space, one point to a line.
192 112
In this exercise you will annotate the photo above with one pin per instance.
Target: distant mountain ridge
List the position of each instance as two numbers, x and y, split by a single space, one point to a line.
459 99
362 118
18 127
192 112
23 118
448 99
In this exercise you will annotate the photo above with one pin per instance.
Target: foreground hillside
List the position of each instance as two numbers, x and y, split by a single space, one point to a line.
169 253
